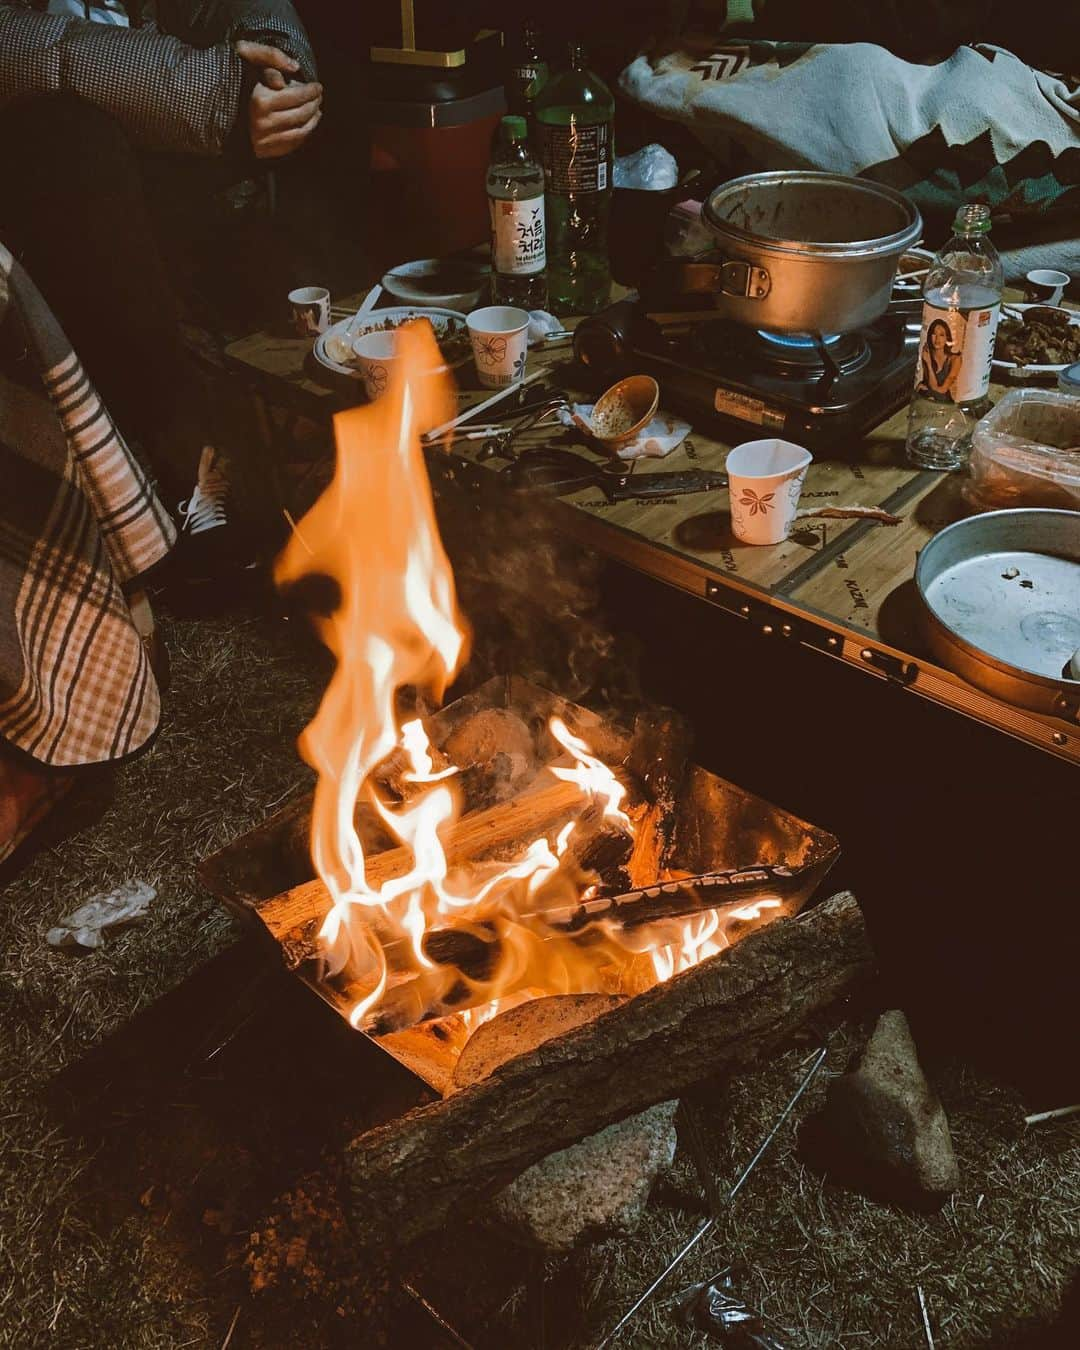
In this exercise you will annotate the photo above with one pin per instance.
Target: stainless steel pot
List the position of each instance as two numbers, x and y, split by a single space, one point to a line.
803 252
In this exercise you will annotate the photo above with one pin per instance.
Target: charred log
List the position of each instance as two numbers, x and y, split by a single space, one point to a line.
410 1176
659 759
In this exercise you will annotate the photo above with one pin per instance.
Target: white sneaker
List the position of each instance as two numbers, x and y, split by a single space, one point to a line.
205 508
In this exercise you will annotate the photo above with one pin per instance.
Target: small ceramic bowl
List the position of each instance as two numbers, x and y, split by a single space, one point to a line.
625 409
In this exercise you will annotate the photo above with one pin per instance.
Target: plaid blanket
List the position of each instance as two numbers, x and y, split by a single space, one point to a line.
79 521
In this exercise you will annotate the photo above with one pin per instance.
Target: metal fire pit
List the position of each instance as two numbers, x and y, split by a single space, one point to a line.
720 827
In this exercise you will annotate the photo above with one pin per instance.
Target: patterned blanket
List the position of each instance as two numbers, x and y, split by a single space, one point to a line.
79 522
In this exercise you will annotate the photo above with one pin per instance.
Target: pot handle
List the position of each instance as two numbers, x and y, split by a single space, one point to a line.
673 277
905 305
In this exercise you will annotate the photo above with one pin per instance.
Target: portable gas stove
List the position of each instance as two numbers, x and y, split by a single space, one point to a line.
812 388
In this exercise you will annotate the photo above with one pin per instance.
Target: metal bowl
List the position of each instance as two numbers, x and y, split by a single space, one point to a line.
1000 603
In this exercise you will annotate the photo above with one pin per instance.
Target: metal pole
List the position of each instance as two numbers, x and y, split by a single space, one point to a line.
709 1224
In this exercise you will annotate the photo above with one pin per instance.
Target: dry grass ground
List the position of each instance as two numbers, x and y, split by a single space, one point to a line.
87 1261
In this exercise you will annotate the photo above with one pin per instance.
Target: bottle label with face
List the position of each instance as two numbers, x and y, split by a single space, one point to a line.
956 348
576 158
517 236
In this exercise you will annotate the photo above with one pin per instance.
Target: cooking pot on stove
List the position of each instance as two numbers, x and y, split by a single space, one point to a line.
797 252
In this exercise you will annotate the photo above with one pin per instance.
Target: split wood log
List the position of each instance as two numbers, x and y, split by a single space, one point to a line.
480 834
409 1176
659 757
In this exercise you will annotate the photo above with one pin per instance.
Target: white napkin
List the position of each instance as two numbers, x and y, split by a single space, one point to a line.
83 927
541 323
656 440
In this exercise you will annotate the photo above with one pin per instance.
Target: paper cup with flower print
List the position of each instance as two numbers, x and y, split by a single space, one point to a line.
765 479
500 343
374 356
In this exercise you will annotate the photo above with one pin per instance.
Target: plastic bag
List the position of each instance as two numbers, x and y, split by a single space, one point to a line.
714 1306
1026 452
84 927
650 169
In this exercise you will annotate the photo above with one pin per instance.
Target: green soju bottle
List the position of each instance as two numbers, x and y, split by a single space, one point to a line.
574 112
527 75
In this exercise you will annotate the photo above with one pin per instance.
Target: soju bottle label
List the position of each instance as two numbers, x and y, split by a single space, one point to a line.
517 236
955 351
576 158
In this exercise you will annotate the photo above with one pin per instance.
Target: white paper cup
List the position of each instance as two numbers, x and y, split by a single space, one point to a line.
310 310
764 482
374 355
500 343
1044 286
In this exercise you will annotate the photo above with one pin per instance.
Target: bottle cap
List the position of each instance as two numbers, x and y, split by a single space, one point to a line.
972 219
515 126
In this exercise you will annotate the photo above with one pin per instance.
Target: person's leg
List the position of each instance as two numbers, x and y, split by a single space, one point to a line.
74 211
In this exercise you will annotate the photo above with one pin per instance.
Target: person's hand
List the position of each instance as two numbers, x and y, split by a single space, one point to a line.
281 116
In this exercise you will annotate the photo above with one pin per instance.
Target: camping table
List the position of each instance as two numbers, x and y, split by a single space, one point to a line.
841 587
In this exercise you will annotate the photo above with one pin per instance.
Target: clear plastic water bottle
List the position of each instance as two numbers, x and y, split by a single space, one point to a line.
515 188
574 113
961 308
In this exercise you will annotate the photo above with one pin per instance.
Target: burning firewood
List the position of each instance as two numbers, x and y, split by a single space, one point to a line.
727 1013
496 753
659 758
477 835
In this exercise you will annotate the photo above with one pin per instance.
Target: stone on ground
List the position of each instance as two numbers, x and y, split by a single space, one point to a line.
594 1189
883 1130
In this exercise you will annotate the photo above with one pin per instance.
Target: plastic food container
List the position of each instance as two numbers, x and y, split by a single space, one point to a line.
1026 452
1069 380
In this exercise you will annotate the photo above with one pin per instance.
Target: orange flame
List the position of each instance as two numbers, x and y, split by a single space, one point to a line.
397 627
373 530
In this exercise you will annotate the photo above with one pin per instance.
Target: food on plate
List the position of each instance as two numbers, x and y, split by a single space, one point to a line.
1042 337
451 335
339 348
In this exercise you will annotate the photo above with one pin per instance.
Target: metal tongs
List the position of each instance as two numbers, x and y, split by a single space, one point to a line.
525 419
561 471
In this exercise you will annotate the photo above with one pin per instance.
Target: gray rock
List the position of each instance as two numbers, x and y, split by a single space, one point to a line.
882 1129
592 1190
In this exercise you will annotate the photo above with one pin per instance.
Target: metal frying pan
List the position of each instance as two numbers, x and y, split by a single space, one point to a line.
1000 605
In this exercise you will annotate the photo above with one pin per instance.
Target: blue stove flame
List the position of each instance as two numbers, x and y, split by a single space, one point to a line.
798 341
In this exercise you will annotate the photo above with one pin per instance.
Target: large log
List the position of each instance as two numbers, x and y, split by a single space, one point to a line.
410 1176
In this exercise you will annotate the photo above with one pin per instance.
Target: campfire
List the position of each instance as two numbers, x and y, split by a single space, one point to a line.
519 851
552 919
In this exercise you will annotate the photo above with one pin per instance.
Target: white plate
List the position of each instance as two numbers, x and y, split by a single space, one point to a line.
442 320
1074 321
447 283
